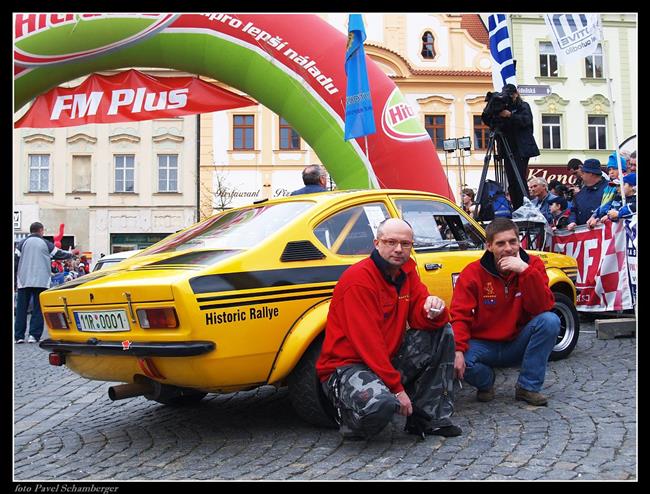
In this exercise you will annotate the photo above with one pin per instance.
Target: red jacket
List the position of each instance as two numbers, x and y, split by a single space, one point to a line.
367 320
486 306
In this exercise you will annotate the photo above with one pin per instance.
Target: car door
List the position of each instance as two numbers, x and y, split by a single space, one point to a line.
445 241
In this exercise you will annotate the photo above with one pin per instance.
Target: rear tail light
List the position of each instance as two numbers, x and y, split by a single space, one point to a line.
157 318
56 320
56 359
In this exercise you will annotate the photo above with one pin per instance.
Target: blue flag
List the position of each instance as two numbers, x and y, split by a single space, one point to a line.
503 67
359 119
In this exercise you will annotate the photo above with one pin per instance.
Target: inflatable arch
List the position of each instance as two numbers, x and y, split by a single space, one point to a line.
291 63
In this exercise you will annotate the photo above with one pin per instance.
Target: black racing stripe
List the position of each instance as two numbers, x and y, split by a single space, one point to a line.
267 301
264 294
249 280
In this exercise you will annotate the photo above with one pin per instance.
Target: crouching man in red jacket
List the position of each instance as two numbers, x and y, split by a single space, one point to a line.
500 314
370 366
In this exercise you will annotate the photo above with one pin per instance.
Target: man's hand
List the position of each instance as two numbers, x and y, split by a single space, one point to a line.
405 406
571 226
512 263
592 222
505 113
459 366
612 214
433 306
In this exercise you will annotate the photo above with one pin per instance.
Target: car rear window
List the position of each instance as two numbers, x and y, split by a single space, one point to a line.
237 229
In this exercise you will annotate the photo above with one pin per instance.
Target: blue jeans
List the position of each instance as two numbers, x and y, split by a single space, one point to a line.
530 349
22 303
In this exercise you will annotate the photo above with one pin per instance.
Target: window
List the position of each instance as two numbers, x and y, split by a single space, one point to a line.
597 129
435 125
81 173
124 173
551 132
167 173
481 133
594 64
243 132
427 46
547 60
351 232
438 226
39 172
289 138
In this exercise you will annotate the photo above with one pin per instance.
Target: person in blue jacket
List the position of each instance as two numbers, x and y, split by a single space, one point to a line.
315 179
589 198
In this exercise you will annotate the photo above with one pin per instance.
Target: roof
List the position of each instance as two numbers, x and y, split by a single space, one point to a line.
475 27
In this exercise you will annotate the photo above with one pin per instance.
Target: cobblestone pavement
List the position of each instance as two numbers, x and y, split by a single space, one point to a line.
66 428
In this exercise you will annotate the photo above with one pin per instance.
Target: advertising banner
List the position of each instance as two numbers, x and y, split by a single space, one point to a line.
290 63
603 280
127 97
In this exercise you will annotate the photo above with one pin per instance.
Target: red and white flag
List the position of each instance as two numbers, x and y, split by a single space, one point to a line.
127 97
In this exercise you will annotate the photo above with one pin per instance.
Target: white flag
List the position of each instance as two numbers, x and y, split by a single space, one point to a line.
503 66
574 36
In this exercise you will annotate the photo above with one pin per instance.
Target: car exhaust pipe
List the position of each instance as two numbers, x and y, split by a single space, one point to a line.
123 391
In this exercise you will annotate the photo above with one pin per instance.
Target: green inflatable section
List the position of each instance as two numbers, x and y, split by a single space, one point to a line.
234 65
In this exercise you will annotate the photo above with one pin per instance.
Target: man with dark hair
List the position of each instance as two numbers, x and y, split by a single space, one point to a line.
315 179
32 264
501 316
517 128
370 366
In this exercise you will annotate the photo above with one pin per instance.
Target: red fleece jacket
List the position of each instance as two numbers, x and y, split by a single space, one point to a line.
367 320
486 306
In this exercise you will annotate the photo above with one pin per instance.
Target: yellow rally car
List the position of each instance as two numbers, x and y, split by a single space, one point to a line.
240 299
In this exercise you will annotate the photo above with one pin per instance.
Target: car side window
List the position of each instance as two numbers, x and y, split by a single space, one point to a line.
438 225
351 232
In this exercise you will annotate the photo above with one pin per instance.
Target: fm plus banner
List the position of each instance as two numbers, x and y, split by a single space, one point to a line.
126 97
603 270
294 64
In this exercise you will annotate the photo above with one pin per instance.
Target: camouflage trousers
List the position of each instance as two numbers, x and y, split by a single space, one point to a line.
365 405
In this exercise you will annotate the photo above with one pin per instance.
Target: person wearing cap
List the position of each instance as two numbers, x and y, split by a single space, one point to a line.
614 209
518 131
611 190
559 212
590 196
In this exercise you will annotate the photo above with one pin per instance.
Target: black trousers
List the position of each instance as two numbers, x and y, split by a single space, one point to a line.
516 194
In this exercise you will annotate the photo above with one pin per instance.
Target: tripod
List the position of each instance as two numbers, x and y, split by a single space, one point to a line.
498 147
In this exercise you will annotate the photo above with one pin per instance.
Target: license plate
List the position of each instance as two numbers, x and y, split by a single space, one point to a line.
106 320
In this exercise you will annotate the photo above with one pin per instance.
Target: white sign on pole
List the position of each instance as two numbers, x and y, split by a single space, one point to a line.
574 36
17 220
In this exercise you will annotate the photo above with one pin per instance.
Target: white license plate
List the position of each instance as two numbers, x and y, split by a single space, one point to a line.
106 320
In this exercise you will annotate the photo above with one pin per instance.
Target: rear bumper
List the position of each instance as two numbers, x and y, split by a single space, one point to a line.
137 349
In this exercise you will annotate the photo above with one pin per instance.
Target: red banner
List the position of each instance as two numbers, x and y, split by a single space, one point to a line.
603 275
127 97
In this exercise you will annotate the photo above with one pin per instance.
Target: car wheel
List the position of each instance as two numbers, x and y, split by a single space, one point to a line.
305 392
569 327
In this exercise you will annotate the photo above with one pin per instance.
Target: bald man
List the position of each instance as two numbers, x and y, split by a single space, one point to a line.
370 366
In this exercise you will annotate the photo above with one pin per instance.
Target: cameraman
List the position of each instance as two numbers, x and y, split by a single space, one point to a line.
516 124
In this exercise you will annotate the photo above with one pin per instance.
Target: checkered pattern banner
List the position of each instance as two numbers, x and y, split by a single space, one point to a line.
603 274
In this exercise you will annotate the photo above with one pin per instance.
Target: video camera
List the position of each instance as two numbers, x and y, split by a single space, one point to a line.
496 103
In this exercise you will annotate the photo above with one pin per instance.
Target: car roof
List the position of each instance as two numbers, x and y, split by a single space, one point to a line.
119 255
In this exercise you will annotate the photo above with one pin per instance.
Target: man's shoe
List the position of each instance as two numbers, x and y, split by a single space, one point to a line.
31 339
531 397
349 434
485 395
19 340
446 431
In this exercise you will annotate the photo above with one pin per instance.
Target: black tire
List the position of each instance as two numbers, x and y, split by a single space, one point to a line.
569 327
305 392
